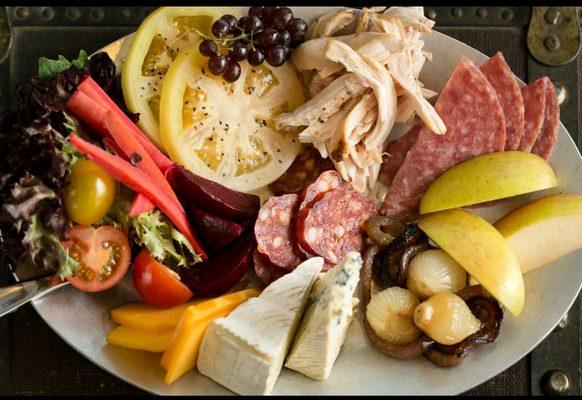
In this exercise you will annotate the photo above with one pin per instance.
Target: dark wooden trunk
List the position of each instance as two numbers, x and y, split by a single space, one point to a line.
34 360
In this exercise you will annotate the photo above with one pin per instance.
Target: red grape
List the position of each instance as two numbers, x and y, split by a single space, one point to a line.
282 17
256 57
239 51
283 38
258 11
251 23
297 28
232 72
269 12
217 64
207 48
267 38
220 28
230 20
275 55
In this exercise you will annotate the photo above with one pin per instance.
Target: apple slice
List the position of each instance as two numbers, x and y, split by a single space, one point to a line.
481 250
543 230
488 177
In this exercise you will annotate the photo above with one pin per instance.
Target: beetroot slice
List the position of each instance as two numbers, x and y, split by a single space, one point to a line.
211 196
223 271
215 231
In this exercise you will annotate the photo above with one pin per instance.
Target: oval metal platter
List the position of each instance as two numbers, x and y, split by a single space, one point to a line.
82 319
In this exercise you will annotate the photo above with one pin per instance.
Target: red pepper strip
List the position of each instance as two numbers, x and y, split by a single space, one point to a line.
140 182
109 142
88 111
94 91
140 205
92 113
132 149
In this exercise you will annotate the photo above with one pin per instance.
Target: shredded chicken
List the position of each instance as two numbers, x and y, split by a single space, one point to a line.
320 82
361 85
400 66
326 103
331 23
411 16
365 18
311 54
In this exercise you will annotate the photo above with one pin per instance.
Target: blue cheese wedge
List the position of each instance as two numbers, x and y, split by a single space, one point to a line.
244 351
326 321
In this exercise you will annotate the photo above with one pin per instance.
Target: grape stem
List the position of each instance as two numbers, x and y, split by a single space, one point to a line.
223 42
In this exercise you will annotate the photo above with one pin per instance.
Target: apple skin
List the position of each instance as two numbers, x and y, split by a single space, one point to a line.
481 250
488 177
543 230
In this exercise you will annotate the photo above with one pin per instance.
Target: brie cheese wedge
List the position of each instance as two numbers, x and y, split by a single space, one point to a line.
326 321
245 351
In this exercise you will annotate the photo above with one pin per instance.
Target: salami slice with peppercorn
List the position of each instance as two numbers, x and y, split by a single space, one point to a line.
470 108
549 132
534 100
327 181
273 230
509 94
265 270
331 225
306 168
395 154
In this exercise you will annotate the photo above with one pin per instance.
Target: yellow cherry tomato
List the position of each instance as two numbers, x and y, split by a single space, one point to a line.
90 192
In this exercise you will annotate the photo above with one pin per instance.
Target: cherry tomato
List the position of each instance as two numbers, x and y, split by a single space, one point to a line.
156 283
103 253
90 192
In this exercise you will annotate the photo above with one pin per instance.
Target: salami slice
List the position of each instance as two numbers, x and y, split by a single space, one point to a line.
265 270
470 109
331 226
327 181
303 171
534 100
396 152
549 133
508 91
273 230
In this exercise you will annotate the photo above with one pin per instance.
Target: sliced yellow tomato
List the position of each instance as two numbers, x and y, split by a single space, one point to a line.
157 42
224 131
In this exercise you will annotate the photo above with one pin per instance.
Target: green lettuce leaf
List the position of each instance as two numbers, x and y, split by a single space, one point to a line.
45 249
48 68
165 243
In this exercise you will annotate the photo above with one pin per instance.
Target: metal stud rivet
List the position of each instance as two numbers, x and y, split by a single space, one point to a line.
552 16
22 12
555 383
47 13
97 14
552 42
73 13
457 12
125 13
431 14
507 15
482 12
561 94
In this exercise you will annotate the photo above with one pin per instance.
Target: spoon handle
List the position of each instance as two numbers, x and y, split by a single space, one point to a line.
12 297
